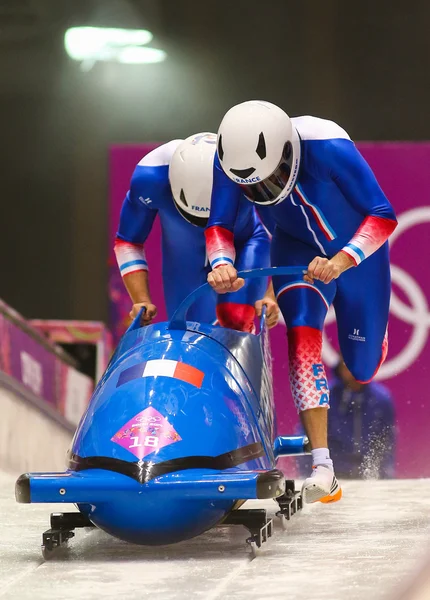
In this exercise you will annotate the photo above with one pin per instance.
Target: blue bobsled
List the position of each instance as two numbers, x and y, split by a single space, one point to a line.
179 431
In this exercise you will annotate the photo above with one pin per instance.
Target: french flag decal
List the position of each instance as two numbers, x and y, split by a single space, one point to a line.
163 368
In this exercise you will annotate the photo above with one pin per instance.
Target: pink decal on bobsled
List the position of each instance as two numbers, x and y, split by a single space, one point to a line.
145 433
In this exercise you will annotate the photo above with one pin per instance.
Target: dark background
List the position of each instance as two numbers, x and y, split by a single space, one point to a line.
364 65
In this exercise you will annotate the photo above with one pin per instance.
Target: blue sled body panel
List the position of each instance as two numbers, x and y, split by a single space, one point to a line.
223 414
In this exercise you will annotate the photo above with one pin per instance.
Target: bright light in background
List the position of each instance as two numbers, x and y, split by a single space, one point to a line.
136 55
92 44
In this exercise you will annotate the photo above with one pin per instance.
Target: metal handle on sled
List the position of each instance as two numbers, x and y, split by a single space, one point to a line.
179 318
262 319
136 323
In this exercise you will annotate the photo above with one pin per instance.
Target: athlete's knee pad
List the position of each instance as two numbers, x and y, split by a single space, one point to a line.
365 372
236 316
308 380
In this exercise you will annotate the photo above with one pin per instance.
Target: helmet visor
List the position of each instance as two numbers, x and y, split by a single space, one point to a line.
268 190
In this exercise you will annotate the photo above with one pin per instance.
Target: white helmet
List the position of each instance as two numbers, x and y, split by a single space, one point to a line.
259 148
191 176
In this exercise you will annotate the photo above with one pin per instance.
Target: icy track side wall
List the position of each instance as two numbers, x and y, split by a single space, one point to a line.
42 397
30 439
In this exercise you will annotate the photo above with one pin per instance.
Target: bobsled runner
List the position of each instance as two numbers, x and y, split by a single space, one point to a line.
179 432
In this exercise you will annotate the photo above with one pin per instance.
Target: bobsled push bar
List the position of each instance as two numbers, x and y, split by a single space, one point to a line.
178 320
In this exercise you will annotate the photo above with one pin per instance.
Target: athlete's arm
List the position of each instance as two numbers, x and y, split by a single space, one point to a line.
137 285
358 184
355 179
135 224
219 232
221 254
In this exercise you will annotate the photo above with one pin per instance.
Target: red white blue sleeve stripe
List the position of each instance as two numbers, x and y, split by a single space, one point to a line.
220 246
130 257
372 233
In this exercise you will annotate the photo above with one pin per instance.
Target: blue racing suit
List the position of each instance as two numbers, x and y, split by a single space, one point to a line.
336 205
185 263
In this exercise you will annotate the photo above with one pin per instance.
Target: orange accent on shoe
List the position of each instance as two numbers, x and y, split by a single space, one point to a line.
335 498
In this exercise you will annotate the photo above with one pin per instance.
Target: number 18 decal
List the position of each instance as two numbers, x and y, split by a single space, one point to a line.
150 440
149 431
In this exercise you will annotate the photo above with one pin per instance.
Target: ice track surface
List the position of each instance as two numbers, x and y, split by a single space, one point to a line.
359 548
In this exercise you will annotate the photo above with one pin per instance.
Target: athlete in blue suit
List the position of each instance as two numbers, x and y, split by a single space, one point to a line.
174 182
330 214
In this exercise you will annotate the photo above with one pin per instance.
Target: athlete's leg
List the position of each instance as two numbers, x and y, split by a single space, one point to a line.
236 310
362 304
304 307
